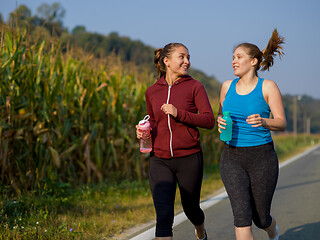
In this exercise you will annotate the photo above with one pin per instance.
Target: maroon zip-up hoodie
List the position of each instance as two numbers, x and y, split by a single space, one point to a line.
177 137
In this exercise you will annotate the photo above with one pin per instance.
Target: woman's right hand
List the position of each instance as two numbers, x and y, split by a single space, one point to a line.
221 123
138 132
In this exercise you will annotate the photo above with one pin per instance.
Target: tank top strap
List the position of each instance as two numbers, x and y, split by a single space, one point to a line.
232 88
260 81
259 85
234 83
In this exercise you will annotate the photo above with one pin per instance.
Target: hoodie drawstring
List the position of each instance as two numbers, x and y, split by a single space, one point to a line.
169 125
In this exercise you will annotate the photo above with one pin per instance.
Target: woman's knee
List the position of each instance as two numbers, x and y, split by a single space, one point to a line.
262 222
242 218
240 223
195 215
164 223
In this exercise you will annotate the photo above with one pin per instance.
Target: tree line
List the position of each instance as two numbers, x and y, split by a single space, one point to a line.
48 22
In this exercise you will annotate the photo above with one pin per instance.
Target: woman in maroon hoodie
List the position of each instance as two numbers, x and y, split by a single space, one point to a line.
177 105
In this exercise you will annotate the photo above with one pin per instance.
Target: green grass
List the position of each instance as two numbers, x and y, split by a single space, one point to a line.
287 146
104 210
86 212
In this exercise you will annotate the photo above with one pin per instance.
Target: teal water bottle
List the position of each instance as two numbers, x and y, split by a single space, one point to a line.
226 134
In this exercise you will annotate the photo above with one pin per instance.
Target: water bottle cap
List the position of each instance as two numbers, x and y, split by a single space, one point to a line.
144 124
144 120
226 113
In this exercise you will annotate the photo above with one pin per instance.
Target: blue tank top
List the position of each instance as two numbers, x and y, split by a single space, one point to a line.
242 106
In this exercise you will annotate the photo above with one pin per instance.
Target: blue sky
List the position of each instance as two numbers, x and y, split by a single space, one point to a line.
210 29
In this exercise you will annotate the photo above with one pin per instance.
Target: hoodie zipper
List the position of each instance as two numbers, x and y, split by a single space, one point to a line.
169 125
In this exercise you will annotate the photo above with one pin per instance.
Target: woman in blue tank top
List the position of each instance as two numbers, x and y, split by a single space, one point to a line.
249 165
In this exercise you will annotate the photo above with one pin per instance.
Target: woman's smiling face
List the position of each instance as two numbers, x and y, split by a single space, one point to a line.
178 62
242 63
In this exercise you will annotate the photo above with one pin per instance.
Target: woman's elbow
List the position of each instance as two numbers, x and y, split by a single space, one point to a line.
211 123
283 126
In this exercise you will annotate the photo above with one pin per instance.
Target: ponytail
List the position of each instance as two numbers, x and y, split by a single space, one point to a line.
158 62
274 47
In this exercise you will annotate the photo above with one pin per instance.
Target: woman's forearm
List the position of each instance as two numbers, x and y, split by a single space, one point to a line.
274 124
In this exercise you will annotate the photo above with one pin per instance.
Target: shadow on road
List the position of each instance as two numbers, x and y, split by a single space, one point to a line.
309 231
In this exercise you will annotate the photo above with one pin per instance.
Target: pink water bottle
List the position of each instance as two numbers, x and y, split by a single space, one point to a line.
145 142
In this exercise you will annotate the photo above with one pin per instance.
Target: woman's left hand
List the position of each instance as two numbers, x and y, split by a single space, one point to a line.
255 120
169 109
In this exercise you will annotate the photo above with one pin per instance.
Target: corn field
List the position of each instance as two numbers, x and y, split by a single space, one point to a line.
66 119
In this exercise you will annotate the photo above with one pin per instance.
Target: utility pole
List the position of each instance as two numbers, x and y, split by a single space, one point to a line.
294 117
304 121
308 125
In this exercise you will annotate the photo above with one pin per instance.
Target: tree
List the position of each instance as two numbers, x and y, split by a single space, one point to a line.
78 30
52 14
21 15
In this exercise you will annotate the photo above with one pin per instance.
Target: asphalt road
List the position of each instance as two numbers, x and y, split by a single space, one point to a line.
296 206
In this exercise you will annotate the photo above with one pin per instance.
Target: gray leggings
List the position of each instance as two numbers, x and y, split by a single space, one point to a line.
250 176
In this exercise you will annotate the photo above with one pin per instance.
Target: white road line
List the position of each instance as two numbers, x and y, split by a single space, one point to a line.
181 217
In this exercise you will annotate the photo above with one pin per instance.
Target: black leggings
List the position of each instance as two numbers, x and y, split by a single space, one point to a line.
164 174
250 176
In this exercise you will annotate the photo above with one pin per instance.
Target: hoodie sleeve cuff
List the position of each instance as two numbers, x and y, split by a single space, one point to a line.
180 113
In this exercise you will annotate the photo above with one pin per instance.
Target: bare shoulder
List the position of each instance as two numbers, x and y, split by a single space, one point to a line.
226 85
269 86
271 91
224 89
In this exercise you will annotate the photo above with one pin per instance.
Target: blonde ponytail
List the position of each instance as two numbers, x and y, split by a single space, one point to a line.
274 47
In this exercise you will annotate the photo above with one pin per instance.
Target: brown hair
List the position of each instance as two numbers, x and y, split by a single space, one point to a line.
266 56
161 53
